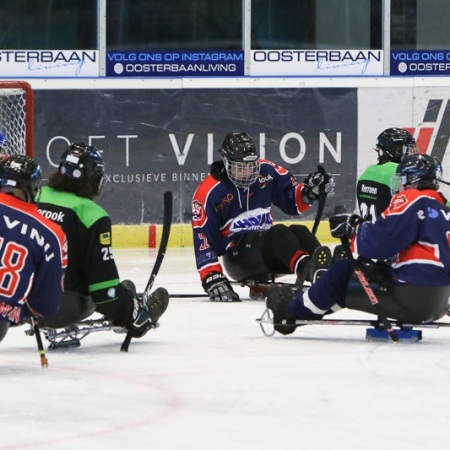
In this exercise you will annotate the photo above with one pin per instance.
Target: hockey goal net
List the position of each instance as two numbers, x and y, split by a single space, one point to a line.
16 116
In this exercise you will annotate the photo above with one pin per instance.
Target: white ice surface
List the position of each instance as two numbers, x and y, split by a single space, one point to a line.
208 379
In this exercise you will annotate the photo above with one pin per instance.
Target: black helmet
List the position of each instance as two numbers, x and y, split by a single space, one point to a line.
420 172
393 143
20 172
241 159
83 162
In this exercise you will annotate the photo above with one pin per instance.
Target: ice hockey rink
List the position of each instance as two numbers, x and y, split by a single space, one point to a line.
208 379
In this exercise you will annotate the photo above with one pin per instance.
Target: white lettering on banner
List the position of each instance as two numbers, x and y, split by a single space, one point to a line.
425 56
325 142
181 155
429 67
121 178
177 68
302 145
136 177
168 56
316 62
127 146
38 63
131 146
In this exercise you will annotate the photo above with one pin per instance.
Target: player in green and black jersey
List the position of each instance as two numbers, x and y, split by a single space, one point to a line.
373 190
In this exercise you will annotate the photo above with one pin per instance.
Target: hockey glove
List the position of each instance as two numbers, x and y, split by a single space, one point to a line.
140 321
136 318
219 289
312 183
376 271
343 225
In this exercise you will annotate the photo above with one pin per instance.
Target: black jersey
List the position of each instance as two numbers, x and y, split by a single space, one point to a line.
91 268
373 190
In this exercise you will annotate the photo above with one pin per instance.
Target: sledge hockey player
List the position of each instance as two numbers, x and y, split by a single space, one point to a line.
232 217
3 144
92 280
33 250
373 190
413 232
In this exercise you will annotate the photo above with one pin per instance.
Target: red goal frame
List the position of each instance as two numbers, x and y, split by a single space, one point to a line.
27 111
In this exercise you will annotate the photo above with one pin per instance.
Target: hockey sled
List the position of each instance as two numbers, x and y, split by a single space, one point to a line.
375 331
71 336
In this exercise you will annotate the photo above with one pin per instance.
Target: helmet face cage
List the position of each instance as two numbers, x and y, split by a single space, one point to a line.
21 172
394 143
242 174
241 159
83 162
419 172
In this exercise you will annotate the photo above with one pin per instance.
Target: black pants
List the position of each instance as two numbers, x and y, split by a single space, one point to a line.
4 327
260 255
407 304
73 308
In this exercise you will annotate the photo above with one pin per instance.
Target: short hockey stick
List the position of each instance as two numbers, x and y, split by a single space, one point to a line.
320 207
40 346
321 202
369 291
188 295
167 222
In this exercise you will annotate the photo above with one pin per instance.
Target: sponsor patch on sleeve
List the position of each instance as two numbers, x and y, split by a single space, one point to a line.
105 238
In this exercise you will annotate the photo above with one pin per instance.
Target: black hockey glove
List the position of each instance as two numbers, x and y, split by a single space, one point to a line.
312 185
219 289
139 320
375 271
343 225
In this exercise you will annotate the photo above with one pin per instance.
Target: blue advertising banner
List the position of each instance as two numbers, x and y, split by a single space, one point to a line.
178 63
420 62
155 140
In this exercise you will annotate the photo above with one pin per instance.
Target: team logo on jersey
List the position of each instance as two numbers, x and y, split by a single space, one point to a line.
399 201
105 238
432 213
197 210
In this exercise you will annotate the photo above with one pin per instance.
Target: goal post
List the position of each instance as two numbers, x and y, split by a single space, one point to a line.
17 116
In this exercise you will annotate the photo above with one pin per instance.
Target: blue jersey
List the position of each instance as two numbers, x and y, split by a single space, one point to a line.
33 257
221 212
414 232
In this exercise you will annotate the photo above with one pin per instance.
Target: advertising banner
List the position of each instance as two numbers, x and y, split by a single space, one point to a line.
327 63
158 140
420 63
423 111
49 63
178 63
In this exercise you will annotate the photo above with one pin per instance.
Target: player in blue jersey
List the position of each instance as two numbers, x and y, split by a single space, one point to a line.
92 280
413 233
33 250
232 218
3 144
